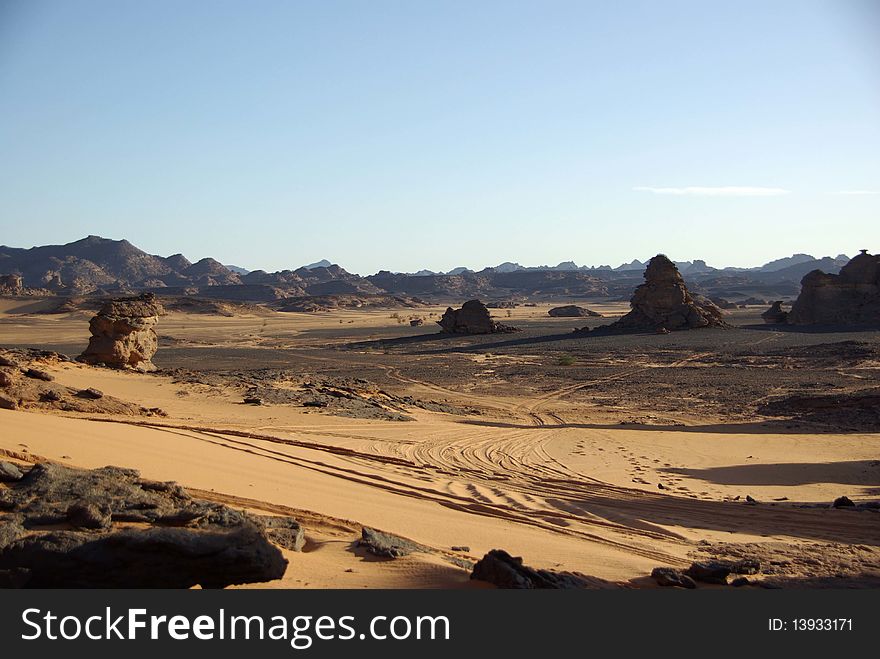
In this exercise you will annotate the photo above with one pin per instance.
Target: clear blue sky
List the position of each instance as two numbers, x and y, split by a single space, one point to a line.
436 134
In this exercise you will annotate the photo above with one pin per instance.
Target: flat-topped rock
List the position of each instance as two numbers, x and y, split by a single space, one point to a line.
572 311
472 318
123 334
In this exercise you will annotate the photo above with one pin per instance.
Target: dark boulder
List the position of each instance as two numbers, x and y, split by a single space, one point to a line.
572 311
9 473
472 318
182 542
667 576
775 315
715 572
505 571
387 545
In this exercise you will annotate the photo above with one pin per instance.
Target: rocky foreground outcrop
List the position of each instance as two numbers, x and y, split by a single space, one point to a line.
109 528
663 303
123 334
472 318
572 311
849 298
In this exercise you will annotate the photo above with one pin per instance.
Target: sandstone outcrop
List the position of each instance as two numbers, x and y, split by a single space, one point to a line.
108 528
849 298
775 315
123 334
472 318
664 302
572 311
11 285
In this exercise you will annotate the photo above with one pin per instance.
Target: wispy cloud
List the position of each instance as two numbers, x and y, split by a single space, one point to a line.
720 191
858 192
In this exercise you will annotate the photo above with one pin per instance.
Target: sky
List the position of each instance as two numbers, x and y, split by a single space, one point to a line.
407 135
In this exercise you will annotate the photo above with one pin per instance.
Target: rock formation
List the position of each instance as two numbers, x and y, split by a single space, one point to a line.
11 285
664 302
775 315
72 528
123 334
472 318
572 311
849 298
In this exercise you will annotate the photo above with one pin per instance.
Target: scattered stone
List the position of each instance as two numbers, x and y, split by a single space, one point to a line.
667 576
416 322
751 500
123 334
6 379
775 315
9 363
461 548
739 582
7 403
745 566
572 311
663 303
285 532
253 401
90 393
843 502
472 318
9 473
506 571
38 374
715 572
51 396
386 545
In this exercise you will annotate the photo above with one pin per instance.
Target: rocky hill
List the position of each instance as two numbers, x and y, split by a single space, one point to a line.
100 266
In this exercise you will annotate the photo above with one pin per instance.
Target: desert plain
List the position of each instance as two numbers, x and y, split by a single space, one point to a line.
605 455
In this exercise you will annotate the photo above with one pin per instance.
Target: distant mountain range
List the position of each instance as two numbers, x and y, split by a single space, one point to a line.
96 265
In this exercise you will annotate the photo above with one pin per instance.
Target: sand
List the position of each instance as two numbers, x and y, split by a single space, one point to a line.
541 473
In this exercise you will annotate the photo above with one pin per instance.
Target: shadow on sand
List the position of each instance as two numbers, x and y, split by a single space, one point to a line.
853 472
773 427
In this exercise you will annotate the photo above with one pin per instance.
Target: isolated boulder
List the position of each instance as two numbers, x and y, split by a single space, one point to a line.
505 571
472 318
179 542
123 334
664 302
775 315
849 298
572 311
670 577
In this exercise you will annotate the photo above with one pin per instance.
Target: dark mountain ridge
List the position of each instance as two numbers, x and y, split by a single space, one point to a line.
96 265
